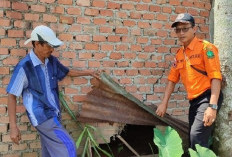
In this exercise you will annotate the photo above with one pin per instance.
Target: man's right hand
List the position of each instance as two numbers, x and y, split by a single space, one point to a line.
15 134
161 110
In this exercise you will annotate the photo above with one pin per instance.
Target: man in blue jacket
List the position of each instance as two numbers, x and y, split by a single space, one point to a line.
36 78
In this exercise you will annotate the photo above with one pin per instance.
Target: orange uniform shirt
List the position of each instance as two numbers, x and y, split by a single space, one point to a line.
202 55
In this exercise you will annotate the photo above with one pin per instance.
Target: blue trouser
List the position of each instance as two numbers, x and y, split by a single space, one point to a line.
199 134
55 140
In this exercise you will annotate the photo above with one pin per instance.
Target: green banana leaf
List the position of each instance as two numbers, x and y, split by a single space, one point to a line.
169 144
201 152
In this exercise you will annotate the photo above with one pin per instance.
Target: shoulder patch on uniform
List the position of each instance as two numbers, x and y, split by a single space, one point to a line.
210 54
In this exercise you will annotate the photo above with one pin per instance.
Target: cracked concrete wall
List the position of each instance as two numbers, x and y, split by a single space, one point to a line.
222 36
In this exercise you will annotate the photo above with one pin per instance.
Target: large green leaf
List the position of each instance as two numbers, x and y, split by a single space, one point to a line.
169 144
201 152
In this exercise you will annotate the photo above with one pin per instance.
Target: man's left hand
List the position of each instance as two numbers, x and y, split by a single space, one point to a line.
209 116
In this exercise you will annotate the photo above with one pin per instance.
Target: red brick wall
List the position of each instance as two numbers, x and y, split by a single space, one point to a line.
131 40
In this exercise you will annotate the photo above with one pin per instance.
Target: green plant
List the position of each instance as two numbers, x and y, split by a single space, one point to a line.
86 134
170 145
201 152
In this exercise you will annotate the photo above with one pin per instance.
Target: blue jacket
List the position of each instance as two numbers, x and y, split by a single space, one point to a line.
41 107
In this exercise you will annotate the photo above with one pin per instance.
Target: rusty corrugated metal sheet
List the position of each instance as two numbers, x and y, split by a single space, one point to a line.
109 102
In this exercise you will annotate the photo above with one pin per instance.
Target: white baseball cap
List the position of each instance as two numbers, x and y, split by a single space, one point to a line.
44 33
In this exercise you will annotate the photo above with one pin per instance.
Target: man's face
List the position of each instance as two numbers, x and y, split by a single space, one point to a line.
185 32
43 50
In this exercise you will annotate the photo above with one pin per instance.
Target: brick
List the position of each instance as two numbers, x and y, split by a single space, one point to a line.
75 28
98 4
187 3
147 16
154 8
10 61
4 51
19 6
49 18
91 12
100 55
99 21
174 2
31 17
19 147
91 46
122 15
83 2
125 81
135 15
108 63
145 72
142 7
167 10
38 8
129 55
162 17
8 42
33 154
179 10
107 47
106 12
83 20
143 24
149 48
162 33
193 12
47 1
121 31
80 81
66 37
99 38
3 129
71 55
4 22
145 89
94 64
131 89
66 19
105 29
4 4
4 119
204 13
14 15
118 72
123 64
122 47
85 55
12 155
129 23
17 52
20 109
57 9
142 40
15 33
20 24
4 148
113 38
79 64
127 6
115 56
65 2
28 137
35 145
74 11
136 48
113 5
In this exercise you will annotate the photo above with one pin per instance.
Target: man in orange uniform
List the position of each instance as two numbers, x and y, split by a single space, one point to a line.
197 65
